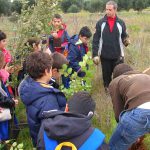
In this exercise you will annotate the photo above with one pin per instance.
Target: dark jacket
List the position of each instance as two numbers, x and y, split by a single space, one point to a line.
37 98
109 45
6 100
76 53
60 126
128 91
63 38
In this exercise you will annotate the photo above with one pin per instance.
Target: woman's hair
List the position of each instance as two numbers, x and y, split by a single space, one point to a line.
2 35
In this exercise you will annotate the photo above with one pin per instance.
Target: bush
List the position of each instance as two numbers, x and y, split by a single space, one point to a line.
73 9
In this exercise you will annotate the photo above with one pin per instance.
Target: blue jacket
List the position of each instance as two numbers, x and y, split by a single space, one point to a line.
70 127
37 98
76 52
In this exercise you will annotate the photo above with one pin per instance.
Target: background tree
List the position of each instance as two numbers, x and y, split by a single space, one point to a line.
5 7
16 6
66 4
140 5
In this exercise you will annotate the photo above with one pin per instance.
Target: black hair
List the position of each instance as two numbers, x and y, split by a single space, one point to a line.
58 60
81 103
85 32
58 16
2 35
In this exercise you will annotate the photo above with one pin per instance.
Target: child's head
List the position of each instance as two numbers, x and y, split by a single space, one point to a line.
121 69
81 103
2 40
58 61
85 34
34 44
2 60
57 21
38 65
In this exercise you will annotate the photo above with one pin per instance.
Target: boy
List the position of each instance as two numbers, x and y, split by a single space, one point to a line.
130 93
59 37
36 92
58 61
72 128
78 48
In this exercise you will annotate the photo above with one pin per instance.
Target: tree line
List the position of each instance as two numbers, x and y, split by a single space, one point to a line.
74 6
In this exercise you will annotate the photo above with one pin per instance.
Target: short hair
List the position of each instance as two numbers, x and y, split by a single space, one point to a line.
81 103
32 41
121 69
37 63
85 31
112 3
58 16
2 60
2 35
58 60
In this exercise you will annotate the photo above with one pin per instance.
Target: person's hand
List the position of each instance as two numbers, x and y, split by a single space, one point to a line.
126 42
1 109
16 101
9 69
96 60
55 35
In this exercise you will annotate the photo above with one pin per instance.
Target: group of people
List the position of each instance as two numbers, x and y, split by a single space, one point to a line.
57 123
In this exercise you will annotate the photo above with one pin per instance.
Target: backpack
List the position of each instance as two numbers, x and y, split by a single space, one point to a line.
95 140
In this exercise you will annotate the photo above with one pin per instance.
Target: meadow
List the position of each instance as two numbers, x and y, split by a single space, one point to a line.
137 55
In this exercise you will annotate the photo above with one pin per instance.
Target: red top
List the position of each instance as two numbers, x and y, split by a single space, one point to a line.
7 55
111 22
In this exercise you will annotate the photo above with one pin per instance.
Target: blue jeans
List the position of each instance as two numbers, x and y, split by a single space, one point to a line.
132 125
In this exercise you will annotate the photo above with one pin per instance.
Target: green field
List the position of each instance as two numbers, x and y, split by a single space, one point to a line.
137 55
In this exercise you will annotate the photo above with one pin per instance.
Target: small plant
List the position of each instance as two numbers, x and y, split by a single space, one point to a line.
79 83
12 146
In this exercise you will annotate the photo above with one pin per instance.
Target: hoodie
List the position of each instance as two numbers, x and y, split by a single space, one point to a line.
61 126
76 52
39 97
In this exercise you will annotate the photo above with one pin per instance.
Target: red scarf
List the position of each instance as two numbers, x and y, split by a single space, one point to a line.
111 22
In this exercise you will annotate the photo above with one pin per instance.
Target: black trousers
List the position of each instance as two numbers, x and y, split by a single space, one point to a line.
108 66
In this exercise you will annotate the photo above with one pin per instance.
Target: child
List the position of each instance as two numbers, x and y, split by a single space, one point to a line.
78 48
36 92
33 45
58 61
72 128
6 104
59 37
4 72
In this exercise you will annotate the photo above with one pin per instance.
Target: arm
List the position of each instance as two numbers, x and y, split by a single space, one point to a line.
118 104
61 101
124 35
72 57
6 102
96 38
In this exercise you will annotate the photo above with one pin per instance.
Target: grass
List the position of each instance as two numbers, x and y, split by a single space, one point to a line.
137 55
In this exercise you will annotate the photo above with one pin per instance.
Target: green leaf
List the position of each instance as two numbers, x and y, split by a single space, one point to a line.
14 144
64 66
69 70
20 145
